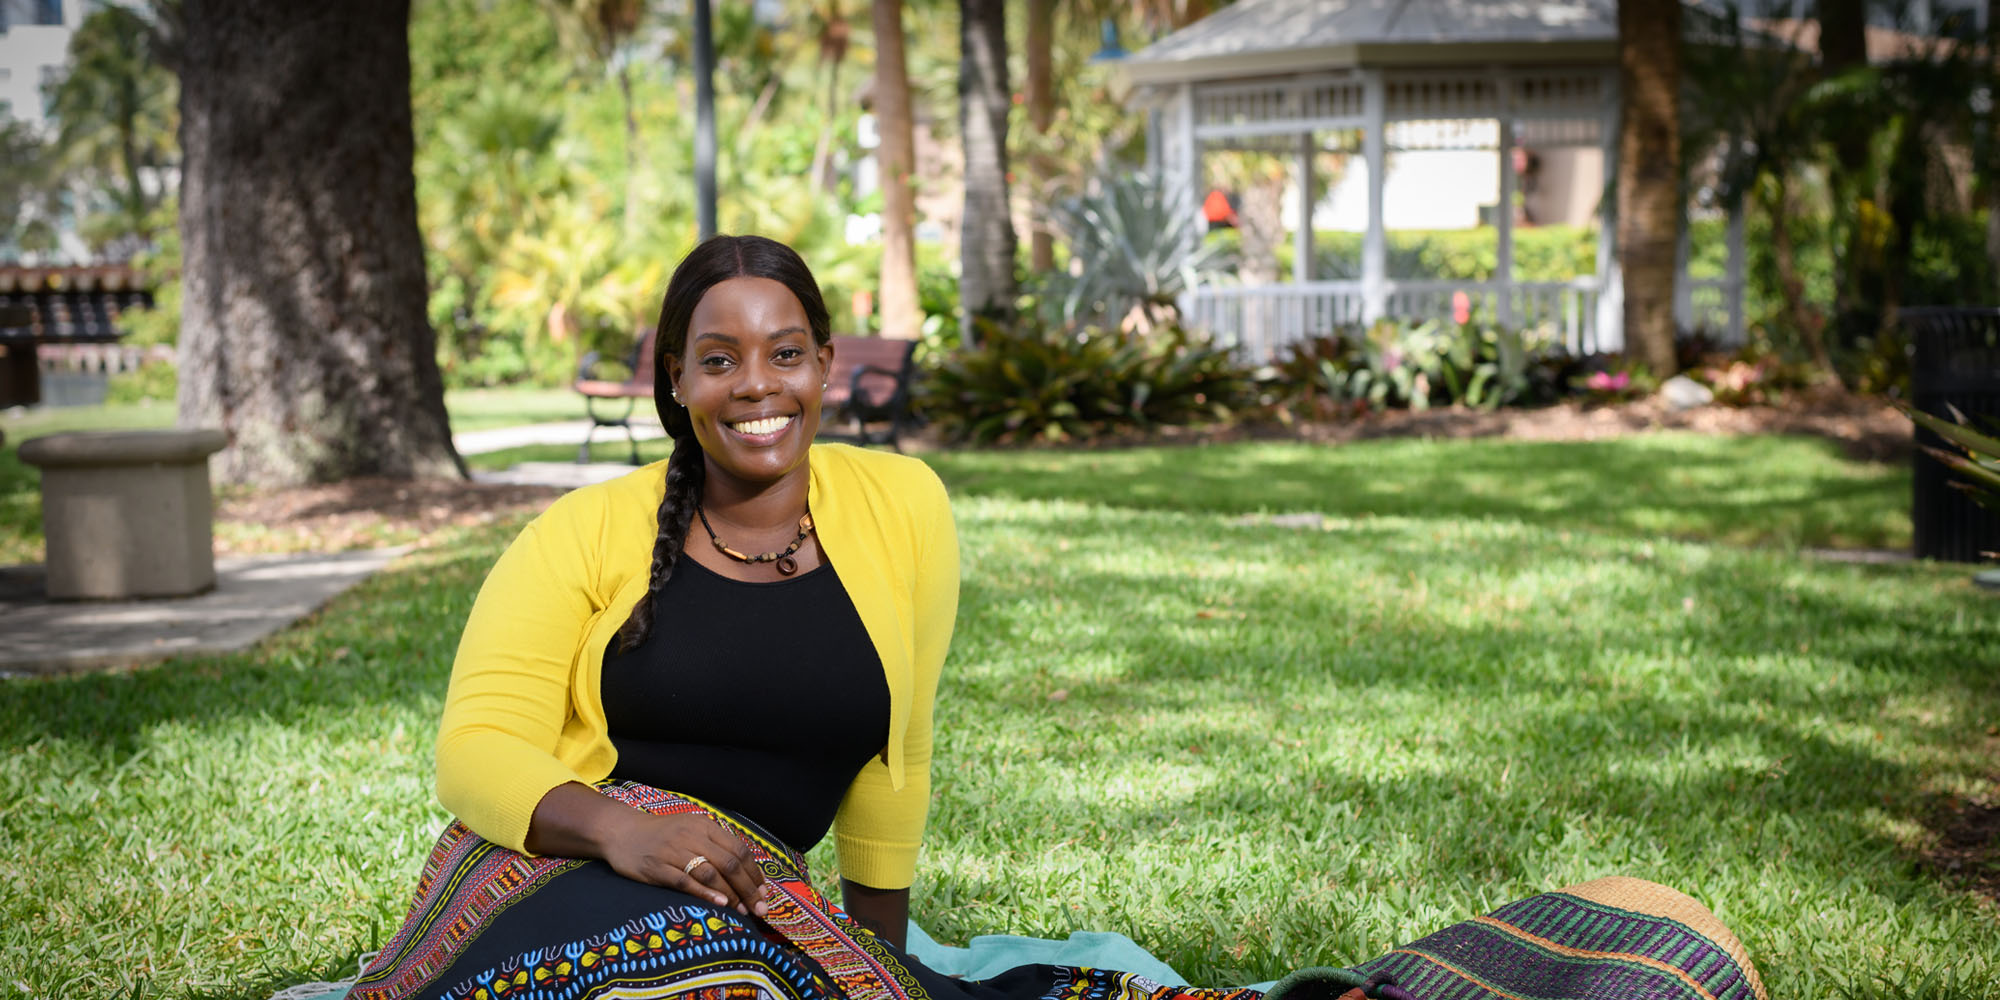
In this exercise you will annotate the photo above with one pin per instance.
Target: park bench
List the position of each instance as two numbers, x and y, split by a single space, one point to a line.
607 393
869 384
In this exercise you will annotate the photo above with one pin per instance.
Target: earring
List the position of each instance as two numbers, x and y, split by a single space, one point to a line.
676 393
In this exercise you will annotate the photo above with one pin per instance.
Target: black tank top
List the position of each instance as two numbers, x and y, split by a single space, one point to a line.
765 699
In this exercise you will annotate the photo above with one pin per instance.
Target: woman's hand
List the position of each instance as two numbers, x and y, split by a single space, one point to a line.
576 821
660 850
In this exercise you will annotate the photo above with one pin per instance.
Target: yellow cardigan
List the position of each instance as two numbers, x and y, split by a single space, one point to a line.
524 715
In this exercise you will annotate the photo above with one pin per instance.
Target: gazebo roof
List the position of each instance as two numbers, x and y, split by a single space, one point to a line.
1265 37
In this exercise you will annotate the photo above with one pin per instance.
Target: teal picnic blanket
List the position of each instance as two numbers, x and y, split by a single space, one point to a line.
990 954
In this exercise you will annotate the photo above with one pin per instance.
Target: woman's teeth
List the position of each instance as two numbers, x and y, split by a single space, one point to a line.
768 425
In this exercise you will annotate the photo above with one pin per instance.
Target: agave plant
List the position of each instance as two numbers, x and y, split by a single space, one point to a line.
1139 242
1979 467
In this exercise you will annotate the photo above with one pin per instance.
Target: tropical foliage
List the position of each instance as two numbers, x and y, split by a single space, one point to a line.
1870 186
553 177
1029 382
116 114
1976 463
552 162
1417 365
1137 245
29 202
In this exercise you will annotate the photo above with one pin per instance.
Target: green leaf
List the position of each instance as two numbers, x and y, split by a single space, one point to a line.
1959 433
1987 476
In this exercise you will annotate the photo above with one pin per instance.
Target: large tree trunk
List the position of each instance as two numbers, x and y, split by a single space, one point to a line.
1649 155
303 327
896 158
1041 100
986 235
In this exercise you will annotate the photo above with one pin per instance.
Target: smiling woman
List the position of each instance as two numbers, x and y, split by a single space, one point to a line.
749 379
624 749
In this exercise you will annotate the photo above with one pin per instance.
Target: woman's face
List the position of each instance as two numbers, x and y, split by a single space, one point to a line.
751 379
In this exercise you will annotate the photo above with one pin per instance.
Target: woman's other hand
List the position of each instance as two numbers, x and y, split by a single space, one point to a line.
576 821
662 850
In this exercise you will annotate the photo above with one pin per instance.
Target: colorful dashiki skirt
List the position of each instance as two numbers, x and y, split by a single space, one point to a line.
491 924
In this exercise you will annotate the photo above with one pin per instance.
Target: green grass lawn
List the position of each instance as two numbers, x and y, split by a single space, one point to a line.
484 409
1494 669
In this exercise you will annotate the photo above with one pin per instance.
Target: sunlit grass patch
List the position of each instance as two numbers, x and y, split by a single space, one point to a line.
1246 745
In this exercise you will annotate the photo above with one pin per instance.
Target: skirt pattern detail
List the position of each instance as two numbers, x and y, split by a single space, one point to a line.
804 948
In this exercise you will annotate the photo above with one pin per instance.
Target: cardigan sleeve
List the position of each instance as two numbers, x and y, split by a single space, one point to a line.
510 683
879 829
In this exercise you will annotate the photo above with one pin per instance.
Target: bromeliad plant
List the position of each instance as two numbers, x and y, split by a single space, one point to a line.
1037 383
1978 467
1140 243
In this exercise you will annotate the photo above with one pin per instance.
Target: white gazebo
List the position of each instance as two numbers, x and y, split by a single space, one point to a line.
1377 77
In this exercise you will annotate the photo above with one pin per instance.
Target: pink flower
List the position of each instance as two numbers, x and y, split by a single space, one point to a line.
1461 308
1607 382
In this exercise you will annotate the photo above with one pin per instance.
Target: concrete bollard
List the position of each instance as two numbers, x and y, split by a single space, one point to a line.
126 513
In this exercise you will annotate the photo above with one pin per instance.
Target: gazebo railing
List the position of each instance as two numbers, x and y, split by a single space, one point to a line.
1263 321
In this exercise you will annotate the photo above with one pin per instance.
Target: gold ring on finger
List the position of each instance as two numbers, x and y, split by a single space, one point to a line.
696 862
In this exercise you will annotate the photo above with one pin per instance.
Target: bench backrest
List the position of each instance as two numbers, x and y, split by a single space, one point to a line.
642 362
853 353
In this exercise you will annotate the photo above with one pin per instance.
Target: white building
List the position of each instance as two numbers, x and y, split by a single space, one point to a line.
34 45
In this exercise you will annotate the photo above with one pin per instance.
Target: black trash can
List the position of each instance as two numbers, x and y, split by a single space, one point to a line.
1956 362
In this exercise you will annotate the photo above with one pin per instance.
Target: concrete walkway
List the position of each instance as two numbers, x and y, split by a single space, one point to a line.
608 442
254 596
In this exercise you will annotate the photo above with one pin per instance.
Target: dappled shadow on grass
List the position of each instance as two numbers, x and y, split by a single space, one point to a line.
1469 705
1766 490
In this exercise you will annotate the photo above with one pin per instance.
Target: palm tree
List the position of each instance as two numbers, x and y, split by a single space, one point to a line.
594 32
1040 97
1747 98
116 117
987 284
1649 172
29 197
896 159
830 35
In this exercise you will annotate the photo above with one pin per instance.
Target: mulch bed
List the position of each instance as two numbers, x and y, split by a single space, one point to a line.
365 512
1866 429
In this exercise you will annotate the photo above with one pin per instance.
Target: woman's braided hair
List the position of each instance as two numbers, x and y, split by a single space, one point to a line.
717 259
